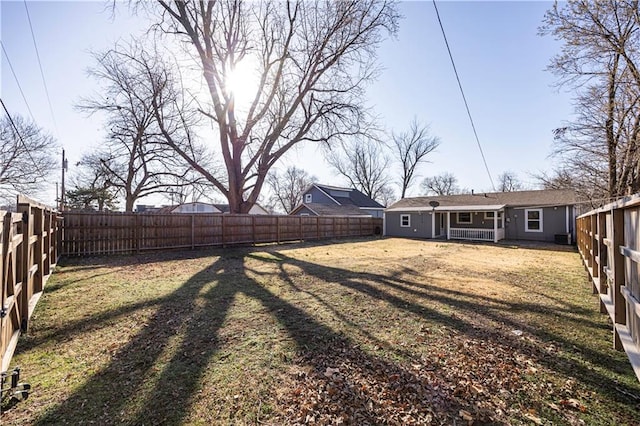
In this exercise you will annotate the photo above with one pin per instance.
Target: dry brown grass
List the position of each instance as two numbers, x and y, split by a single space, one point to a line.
368 332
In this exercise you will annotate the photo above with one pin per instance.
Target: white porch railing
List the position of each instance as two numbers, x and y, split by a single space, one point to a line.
476 234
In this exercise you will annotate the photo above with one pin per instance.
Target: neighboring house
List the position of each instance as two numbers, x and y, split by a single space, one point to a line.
546 215
198 207
144 208
324 200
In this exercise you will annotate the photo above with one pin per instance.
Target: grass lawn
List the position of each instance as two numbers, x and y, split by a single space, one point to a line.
385 331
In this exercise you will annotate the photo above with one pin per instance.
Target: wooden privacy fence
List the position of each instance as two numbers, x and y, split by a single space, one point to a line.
104 233
609 242
29 241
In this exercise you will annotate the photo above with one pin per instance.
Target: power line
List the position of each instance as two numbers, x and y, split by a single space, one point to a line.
24 145
464 98
44 82
6 55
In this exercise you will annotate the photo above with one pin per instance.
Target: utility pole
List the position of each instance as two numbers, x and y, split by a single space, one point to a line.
64 168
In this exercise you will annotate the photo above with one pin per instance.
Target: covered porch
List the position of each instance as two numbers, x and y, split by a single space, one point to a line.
475 223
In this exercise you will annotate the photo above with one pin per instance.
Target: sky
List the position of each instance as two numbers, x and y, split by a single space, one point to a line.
500 57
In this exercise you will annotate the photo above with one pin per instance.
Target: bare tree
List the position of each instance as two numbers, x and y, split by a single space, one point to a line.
312 61
411 148
508 182
386 196
27 156
190 188
287 188
443 184
364 164
137 91
600 61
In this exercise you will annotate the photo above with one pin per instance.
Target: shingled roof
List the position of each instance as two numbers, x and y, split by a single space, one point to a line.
355 198
509 199
332 210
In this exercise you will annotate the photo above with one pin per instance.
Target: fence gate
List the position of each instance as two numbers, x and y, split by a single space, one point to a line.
29 242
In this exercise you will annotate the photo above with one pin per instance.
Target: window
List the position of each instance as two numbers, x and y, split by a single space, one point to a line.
464 217
405 220
308 198
490 215
533 220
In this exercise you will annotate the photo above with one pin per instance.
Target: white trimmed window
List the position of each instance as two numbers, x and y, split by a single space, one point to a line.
308 198
533 220
405 220
464 217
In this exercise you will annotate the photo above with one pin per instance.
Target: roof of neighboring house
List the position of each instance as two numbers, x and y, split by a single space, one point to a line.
492 200
331 209
163 210
356 198
224 208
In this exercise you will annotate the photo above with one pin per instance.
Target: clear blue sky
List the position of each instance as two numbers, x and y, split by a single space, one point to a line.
500 58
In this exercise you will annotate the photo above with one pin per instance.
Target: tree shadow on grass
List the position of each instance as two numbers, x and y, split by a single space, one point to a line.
156 376
406 295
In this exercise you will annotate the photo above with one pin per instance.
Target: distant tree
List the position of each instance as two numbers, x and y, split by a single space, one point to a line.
508 182
364 164
311 60
27 157
411 148
136 89
387 196
287 188
91 187
91 198
589 182
600 62
190 188
443 184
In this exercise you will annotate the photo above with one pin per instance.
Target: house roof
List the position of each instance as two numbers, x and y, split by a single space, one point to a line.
331 209
224 208
493 200
355 198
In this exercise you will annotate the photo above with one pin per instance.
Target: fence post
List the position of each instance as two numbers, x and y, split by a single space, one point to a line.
223 229
278 229
253 229
602 254
619 303
594 252
300 228
38 248
317 227
27 282
193 231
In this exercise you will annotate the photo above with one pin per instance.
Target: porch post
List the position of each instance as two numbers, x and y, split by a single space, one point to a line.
448 225
433 223
495 226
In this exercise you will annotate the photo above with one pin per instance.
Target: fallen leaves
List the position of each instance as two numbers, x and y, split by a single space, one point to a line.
574 404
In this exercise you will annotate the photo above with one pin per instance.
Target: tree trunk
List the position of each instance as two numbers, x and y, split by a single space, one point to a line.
129 200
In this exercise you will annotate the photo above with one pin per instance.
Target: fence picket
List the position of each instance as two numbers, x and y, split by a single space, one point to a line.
609 244
114 232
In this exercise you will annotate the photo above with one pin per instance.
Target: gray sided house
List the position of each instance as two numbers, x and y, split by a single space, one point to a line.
546 215
324 200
